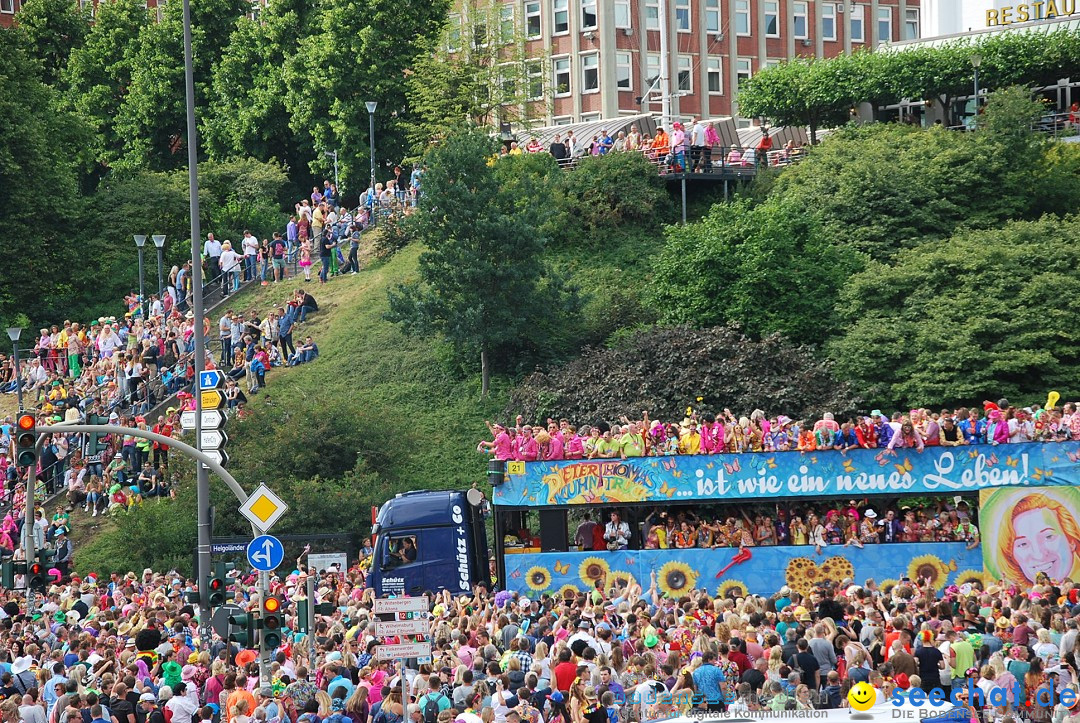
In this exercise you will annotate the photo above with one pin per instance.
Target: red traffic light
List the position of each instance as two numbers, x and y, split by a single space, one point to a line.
216 583
271 604
36 569
27 422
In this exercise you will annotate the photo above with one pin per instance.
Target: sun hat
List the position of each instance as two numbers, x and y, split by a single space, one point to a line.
21 665
651 641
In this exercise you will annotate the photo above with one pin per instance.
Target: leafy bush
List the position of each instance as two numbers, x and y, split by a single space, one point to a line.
663 370
390 236
936 181
982 315
767 268
604 192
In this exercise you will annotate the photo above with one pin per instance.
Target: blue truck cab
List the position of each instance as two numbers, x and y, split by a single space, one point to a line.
429 541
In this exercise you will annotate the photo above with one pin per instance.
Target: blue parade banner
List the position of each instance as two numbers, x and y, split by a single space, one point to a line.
936 470
757 570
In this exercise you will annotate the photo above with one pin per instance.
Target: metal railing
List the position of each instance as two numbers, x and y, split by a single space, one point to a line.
716 159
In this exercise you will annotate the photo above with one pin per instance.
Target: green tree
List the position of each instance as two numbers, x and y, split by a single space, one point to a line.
152 119
99 73
476 71
483 283
751 266
359 51
41 159
977 316
53 30
804 92
250 117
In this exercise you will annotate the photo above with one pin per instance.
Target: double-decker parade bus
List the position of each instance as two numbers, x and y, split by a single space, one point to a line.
747 523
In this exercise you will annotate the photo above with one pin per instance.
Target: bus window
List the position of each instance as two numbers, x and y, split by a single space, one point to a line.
401 550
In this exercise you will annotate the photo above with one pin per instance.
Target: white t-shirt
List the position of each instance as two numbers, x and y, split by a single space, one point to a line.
251 246
229 260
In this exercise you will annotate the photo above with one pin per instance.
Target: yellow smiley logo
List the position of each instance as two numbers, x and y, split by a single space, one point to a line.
862 697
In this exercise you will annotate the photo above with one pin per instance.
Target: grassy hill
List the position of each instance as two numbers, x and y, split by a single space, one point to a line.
377 413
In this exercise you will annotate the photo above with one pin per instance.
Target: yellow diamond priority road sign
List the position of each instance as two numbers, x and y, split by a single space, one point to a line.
263 508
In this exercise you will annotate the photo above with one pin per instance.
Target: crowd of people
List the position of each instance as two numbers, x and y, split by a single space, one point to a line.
127 648
994 423
757 525
686 148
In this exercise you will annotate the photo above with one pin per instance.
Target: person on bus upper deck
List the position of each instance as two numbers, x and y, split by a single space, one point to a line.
907 437
882 428
526 447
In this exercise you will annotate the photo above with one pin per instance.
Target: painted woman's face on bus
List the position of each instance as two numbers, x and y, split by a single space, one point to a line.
1041 545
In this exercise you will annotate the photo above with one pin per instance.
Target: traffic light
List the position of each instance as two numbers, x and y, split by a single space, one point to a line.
216 589
36 577
7 575
26 441
244 635
324 609
270 639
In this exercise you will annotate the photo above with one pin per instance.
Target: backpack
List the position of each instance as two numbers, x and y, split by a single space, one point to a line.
431 708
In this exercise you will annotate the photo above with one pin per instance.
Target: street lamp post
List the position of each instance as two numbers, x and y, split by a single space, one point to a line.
371 105
159 241
333 154
14 332
140 241
976 61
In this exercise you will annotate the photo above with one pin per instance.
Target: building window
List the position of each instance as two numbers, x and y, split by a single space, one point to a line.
7 6
799 24
588 14
682 15
560 76
652 14
828 21
714 70
742 17
686 73
622 14
534 75
453 33
858 18
712 16
562 16
884 25
652 68
480 35
532 20
772 62
506 23
911 23
563 120
743 71
624 69
772 18
590 73
590 117
508 82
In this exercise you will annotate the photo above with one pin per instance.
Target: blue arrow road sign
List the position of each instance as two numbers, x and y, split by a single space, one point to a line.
265 553
210 379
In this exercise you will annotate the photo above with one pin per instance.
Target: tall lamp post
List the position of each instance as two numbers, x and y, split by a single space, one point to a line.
140 241
333 154
14 332
159 241
976 61
371 105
